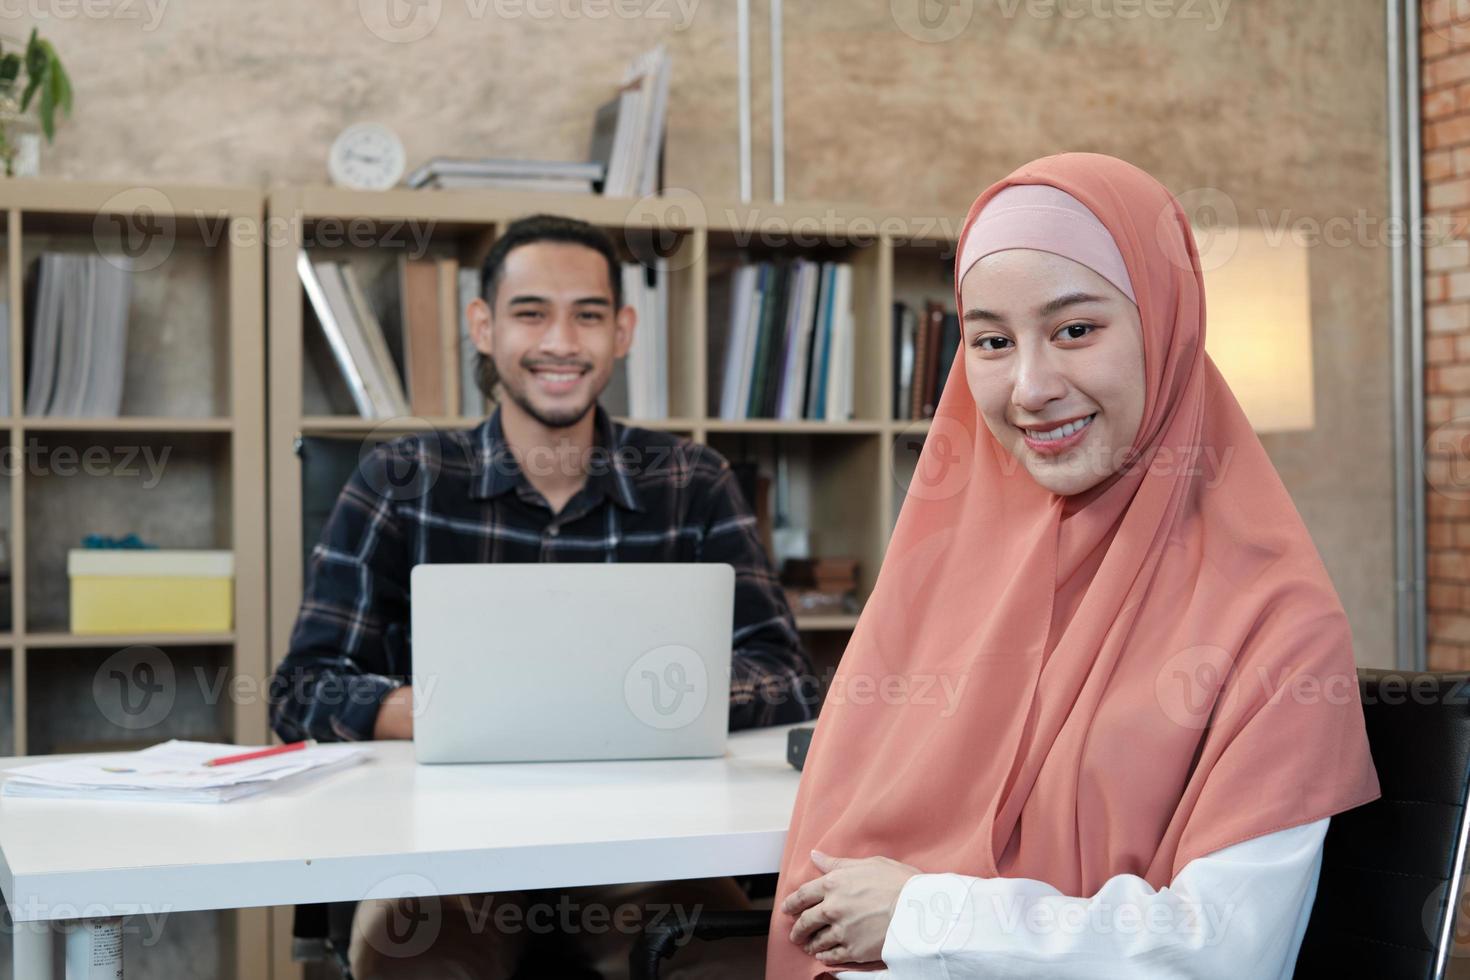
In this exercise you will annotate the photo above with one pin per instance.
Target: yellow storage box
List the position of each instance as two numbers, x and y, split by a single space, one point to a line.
146 590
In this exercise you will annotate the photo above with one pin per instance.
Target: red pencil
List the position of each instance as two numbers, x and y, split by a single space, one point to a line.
225 760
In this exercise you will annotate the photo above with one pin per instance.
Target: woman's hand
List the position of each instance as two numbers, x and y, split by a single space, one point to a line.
842 916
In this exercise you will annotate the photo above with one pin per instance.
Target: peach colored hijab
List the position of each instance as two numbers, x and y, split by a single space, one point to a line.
1068 689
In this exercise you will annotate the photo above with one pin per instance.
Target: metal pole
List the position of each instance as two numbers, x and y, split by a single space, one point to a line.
778 111
1407 281
743 55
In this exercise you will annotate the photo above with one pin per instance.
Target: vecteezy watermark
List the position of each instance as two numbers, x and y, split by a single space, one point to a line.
667 687
150 12
932 459
139 918
1202 684
135 687
409 915
1210 12
941 690
401 458
657 228
1450 20
138 228
403 21
773 229
415 914
37 459
1438 917
932 21
1447 458
937 914
1217 224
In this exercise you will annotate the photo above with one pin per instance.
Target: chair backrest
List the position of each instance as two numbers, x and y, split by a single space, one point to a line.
326 464
1391 869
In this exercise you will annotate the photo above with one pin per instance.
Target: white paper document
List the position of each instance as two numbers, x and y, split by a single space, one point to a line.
174 772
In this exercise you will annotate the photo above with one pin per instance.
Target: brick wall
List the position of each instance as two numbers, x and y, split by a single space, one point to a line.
1445 49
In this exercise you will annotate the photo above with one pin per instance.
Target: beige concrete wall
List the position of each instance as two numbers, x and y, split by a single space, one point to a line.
1278 103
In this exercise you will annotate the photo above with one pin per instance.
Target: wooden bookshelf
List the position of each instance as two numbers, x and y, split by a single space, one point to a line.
195 389
895 256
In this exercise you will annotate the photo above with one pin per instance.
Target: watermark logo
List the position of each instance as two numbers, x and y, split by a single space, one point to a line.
1447 458
1188 685
655 228
399 468
937 918
400 21
1215 222
1450 20
932 21
932 459
667 687
134 688
414 916
134 229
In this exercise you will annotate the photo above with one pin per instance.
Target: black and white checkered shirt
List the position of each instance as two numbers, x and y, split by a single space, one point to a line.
460 496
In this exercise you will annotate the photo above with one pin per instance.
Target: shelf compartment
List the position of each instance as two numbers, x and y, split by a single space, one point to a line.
823 472
177 362
782 238
173 491
115 698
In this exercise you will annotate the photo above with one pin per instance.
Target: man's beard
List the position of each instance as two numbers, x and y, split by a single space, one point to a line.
559 419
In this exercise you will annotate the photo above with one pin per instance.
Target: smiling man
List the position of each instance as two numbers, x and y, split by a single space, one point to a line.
549 476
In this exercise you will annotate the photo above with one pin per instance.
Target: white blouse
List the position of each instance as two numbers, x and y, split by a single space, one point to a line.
1240 911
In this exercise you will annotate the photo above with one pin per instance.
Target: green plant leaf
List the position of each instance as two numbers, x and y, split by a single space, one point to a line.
36 59
65 82
48 108
33 82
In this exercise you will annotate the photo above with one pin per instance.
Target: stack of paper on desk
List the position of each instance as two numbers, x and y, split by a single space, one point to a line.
174 772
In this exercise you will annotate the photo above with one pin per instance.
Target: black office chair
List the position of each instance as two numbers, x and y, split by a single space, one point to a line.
321 933
1391 869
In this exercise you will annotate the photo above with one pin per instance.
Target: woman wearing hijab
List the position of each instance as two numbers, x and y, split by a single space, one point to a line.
1102 702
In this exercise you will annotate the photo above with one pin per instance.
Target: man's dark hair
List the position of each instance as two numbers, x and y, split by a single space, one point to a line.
526 231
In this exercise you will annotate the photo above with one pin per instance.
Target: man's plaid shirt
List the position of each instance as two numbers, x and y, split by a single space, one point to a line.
461 497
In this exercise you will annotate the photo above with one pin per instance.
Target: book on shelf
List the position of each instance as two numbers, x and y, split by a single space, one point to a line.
639 387
395 346
925 346
354 337
905 327
562 176
77 334
628 130
471 401
783 332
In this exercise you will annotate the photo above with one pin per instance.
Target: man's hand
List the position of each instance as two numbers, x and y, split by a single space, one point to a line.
395 714
843 916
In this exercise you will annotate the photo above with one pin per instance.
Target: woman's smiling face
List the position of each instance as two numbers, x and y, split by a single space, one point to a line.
1047 341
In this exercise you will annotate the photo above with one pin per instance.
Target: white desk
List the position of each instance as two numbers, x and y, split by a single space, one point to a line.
390 827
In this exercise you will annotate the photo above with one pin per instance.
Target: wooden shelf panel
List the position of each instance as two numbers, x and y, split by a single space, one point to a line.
312 425
87 197
124 423
681 209
61 640
793 427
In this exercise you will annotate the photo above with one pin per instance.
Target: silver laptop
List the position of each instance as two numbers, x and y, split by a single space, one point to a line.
558 662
